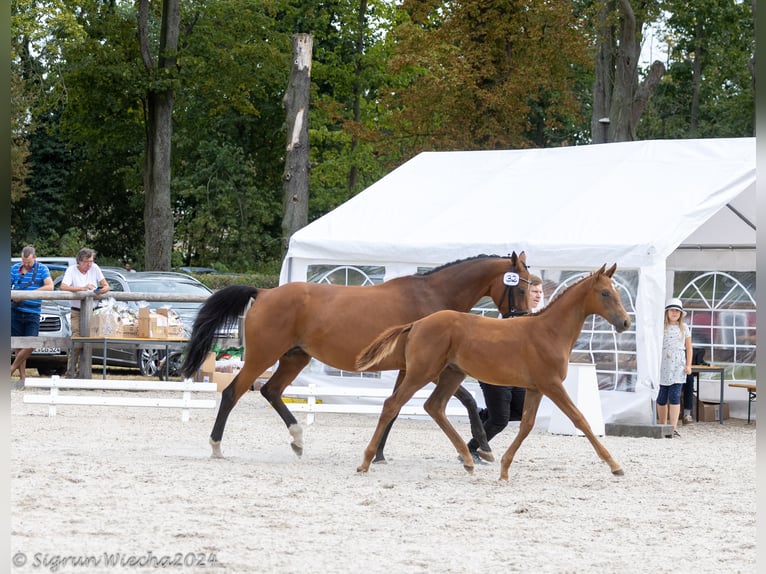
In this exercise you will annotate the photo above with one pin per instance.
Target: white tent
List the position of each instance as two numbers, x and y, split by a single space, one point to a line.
648 206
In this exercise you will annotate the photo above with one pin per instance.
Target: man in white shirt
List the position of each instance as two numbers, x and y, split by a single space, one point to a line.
84 275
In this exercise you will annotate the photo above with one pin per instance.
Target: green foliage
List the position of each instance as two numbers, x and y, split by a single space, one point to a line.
220 280
481 74
398 78
718 36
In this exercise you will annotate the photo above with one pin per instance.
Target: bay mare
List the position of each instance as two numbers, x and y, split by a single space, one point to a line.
296 321
531 352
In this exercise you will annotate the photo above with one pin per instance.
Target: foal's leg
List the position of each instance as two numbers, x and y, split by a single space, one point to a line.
231 394
532 400
391 407
436 405
561 399
379 456
290 364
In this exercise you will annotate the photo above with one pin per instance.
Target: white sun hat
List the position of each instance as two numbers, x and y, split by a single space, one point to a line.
675 303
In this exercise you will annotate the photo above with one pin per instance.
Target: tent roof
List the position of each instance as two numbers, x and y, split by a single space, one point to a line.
632 203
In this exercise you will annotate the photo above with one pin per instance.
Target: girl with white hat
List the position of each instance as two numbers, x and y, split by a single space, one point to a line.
676 363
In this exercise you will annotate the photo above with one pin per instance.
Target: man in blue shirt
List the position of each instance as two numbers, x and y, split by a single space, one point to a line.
28 275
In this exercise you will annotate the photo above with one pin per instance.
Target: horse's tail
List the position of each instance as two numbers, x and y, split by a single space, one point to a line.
220 311
381 347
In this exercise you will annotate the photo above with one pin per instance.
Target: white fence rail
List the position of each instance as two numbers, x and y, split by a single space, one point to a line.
61 389
326 404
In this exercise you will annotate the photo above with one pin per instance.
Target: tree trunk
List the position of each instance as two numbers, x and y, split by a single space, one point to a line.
295 187
618 97
602 87
358 56
158 213
699 54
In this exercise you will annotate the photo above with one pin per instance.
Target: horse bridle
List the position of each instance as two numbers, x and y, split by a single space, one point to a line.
511 280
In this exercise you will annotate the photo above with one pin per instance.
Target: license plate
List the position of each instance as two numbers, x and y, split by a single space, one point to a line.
48 351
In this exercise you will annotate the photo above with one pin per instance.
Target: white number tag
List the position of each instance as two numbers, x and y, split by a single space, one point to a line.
511 278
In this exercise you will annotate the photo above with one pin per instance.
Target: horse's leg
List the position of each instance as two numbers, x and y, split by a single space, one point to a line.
557 393
231 394
529 414
436 405
477 426
379 456
290 364
391 407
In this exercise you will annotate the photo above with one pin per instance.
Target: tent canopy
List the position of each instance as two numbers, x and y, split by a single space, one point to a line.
632 203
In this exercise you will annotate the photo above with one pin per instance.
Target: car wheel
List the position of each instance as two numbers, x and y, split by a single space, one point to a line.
148 361
173 368
47 371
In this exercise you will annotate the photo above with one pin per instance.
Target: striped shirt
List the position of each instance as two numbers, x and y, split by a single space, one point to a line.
29 281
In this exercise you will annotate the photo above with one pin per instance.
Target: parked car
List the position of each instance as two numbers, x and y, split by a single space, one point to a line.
148 361
50 360
198 270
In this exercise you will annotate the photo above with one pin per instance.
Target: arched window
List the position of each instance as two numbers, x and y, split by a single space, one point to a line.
722 313
614 354
358 275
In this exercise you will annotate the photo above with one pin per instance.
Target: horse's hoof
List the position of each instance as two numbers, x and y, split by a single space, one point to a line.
468 469
381 460
486 455
297 449
216 446
361 469
618 472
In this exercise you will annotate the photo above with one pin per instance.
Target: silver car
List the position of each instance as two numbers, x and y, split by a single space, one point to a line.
148 361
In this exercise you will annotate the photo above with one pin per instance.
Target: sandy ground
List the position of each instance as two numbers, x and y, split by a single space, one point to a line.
137 487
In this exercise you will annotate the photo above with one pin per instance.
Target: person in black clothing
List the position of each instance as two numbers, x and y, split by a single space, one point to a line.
505 404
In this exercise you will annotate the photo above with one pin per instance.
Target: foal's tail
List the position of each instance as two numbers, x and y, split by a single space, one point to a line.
221 311
381 347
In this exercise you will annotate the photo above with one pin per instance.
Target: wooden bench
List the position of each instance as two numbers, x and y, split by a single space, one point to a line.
750 395
313 392
60 394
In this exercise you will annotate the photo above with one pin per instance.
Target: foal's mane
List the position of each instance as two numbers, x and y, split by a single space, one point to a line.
457 261
561 293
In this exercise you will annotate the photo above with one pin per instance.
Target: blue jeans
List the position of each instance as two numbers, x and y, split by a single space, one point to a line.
24 324
671 393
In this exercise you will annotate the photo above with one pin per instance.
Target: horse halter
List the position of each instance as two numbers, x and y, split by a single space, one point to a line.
511 279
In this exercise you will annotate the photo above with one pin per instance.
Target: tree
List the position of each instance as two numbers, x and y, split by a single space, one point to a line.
709 88
158 215
296 175
619 98
485 74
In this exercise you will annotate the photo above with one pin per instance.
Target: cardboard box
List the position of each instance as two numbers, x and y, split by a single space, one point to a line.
208 373
152 325
175 329
109 325
708 411
104 325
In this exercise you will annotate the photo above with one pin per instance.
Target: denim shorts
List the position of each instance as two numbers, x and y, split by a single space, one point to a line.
670 392
24 324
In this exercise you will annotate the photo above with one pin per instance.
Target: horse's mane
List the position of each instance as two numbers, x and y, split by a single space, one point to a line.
560 294
457 261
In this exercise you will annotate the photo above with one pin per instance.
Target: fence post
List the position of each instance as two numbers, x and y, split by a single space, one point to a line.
86 358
